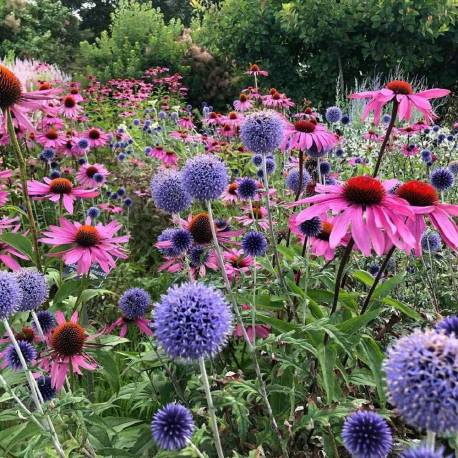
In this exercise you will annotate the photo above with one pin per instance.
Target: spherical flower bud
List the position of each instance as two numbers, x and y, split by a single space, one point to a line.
442 178
292 180
169 193
10 295
46 320
247 188
386 118
34 289
128 202
134 303
325 168
93 212
12 358
345 119
426 155
46 389
257 160
333 114
431 241
254 243
270 166
448 326
311 227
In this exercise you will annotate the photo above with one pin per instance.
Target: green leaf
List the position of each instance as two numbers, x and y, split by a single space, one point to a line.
89 294
384 288
404 308
68 288
356 323
326 357
364 277
374 356
110 369
19 242
279 325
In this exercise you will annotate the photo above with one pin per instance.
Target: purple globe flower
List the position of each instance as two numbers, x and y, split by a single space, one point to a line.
367 435
257 160
205 177
262 132
181 240
442 178
10 294
254 243
197 256
12 358
192 321
172 427
34 289
134 303
247 188
421 372
311 227
448 326
423 452
46 320
168 192
333 114
46 389
431 241
292 180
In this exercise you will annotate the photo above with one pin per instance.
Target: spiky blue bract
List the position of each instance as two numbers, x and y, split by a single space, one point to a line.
169 193
333 114
46 320
93 212
46 389
448 326
431 241
181 240
11 356
247 188
166 236
172 426
442 178
34 289
257 160
421 372
262 132
292 180
367 435
311 227
192 321
134 303
423 452
10 294
205 177
254 243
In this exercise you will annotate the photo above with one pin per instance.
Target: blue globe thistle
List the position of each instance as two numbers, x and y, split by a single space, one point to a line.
247 188
93 212
453 167
128 202
262 132
426 155
386 118
147 150
339 152
440 138
121 157
204 177
198 256
311 227
172 427
83 143
48 154
330 181
254 243
134 303
436 128
166 236
431 241
46 320
11 356
270 166
313 152
181 240
333 114
448 326
325 168
421 378
426 130
168 192
257 160
54 174
450 138
345 119
174 116
136 122
10 294
121 192
442 178
34 289
367 435
373 269
292 180
46 389
192 321
423 452
98 178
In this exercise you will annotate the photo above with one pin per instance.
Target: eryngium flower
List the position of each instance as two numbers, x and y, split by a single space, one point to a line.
448 326
46 320
12 357
247 188
181 241
45 387
192 321
172 427
205 177
367 435
453 167
442 178
262 132
254 243
423 452
421 372
311 227
292 180
431 241
168 192
333 114
34 288
10 295
134 303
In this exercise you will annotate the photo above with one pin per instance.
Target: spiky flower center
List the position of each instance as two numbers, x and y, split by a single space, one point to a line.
94 134
232 115
10 88
364 190
69 102
60 186
52 134
400 87
418 193
91 171
233 189
44 86
68 339
87 236
305 126
200 228
254 68
213 115
26 334
325 232
243 98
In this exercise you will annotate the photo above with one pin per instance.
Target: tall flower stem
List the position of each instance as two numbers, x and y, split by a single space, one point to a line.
196 450
211 408
300 188
23 176
253 305
251 348
430 440
38 326
343 263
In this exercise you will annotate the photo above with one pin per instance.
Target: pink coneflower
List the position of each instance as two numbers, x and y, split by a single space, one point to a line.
261 330
243 103
424 201
255 215
412 129
256 71
227 130
186 123
182 135
233 118
277 100
96 137
364 206
52 138
89 244
170 159
92 175
212 118
59 189
307 135
403 93
70 108
68 342
110 208
3 195
236 263
51 121
8 253
123 323
373 136
74 92
157 151
410 150
230 193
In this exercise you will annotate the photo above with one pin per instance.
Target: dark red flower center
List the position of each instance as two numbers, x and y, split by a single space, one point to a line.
67 339
200 228
257 212
73 91
232 189
243 98
400 87
227 128
232 115
239 262
10 88
213 115
276 96
52 134
94 134
325 233
273 91
87 236
418 193
69 102
305 126
44 86
308 111
364 191
60 186
91 171
26 334
254 68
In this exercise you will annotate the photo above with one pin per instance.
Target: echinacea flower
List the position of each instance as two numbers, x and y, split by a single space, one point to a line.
236 262
256 71
92 175
59 189
277 100
8 254
88 244
243 103
403 93
51 138
70 108
95 137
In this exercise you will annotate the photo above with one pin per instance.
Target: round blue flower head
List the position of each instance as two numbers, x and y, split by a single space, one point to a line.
453 167
436 128
12 358
292 180
262 132
345 119
166 236
442 178
431 241
247 188
198 256
168 192
367 435
172 427
83 143
386 118
254 243
325 168
421 374
311 227
46 389
313 152
374 269
98 178
448 326
204 177
134 303
423 452
10 294
54 174
339 152
192 321
270 166
257 160
426 155
333 114
128 202
121 156
93 212
34 289
181 240
46 320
